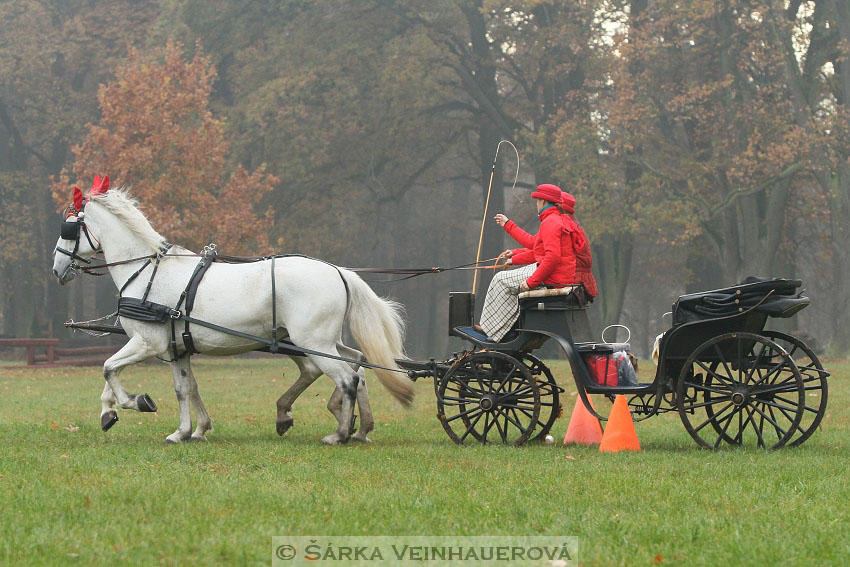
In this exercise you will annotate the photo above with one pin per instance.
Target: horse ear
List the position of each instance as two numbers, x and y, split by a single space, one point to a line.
100 186
78 198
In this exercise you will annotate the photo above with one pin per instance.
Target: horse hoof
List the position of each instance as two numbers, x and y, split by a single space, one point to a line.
334 439
174 438
145 403
198 438
283 426
361 439
108 419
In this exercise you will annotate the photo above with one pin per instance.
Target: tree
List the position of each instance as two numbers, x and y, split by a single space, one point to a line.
53 54
158 136
813 41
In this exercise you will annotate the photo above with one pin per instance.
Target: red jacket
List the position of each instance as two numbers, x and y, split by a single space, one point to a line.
551 248
584 260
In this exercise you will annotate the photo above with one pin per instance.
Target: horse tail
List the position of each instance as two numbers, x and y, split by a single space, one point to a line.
378 327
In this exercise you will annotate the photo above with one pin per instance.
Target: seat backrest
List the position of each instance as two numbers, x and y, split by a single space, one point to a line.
737 299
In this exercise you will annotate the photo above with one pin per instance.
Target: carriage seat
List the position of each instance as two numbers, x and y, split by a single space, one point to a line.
775 297
568 297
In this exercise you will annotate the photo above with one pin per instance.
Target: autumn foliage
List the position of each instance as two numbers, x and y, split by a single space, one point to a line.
158 137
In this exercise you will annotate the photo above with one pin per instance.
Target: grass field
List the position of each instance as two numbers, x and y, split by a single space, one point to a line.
83 497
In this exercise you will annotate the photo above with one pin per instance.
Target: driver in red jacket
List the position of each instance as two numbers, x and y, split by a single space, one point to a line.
547 258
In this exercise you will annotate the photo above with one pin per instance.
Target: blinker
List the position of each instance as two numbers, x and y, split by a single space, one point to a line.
70 230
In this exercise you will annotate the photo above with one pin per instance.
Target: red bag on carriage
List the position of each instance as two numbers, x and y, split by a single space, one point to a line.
602 368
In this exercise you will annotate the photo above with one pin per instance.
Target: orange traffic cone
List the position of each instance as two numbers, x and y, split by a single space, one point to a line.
620 434
583 428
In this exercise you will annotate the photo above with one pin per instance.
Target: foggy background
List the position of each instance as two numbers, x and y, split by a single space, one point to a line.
704 141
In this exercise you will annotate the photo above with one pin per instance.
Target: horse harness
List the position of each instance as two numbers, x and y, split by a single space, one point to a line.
152 312
71 231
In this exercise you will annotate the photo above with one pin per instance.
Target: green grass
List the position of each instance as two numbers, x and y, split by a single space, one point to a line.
125 498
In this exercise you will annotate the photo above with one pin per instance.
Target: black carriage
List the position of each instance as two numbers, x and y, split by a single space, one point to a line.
731 381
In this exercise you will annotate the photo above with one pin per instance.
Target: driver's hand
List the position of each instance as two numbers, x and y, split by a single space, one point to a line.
501 219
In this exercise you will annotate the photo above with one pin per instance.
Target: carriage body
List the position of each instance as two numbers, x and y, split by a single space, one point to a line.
731 381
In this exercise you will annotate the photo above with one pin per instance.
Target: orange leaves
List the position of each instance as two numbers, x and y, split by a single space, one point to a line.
158 136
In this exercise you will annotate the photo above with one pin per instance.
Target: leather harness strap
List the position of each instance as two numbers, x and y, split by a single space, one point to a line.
273 346
188 296
144 310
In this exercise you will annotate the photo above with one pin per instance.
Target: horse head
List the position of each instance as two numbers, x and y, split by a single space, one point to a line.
71 248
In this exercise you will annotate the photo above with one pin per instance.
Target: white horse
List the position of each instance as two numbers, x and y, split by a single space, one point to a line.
312 300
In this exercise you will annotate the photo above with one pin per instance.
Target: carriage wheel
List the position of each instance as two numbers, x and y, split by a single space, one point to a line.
550 402
814 380
488 394
750 388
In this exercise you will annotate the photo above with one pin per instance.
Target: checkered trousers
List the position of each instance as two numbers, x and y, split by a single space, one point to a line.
501 306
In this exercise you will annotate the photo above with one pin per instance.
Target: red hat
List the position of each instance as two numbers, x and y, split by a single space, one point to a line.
548 192
568 202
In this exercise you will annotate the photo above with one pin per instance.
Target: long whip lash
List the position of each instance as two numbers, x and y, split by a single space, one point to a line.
487 205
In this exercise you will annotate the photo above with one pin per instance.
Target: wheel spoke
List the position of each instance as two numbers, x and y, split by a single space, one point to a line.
757 429
723 362
528 406
755 365
722 434
526 411
509 418
786 386
713 374
792 407
773 415
707 388
713 417
739 437
707 403
519 419
502 433
776 425
488 425
460 401
505 380
775 370
518 393
463 413
471 426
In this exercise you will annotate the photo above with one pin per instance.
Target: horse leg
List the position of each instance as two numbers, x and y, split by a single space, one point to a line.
346 381
108 415
186 388
308 375
182 387
367 421
204 421
136 350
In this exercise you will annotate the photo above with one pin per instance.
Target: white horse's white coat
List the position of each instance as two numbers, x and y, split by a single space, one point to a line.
312 305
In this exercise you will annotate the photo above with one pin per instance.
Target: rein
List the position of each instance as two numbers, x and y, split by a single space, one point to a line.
407 272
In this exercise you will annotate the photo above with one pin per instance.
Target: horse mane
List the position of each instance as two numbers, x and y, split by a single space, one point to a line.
119 202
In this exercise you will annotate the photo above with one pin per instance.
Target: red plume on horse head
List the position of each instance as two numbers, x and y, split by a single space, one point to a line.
100 186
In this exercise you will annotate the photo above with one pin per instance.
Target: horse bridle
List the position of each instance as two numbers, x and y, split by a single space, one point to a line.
71 230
